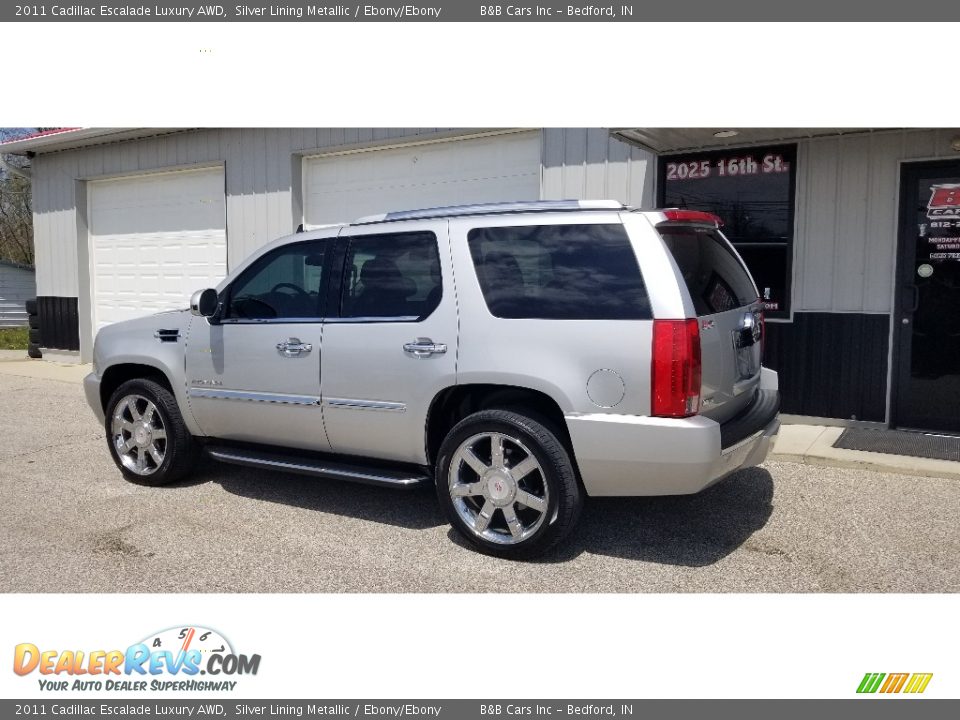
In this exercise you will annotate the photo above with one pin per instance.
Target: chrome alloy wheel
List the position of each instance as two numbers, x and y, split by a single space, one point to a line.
498 488
138 434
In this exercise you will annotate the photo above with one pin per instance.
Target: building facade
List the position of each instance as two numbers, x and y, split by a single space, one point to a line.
17 285
849 232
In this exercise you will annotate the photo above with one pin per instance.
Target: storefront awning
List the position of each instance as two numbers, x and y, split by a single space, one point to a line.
668 140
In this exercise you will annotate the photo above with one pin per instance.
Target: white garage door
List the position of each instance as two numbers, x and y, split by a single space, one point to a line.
342 188
155 239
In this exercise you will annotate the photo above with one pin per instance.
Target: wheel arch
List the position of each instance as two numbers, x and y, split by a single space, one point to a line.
456 402
119 373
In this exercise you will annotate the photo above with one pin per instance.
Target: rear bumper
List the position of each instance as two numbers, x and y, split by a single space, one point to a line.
91 388
623 455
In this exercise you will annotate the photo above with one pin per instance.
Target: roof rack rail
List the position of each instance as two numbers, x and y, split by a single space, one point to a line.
493 209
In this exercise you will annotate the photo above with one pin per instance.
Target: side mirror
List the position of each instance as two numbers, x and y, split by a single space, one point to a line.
204 303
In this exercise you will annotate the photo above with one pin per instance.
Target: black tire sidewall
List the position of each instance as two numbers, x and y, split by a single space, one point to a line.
526 430
161 398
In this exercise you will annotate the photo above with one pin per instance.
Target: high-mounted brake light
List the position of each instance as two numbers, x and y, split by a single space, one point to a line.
692 216
675 377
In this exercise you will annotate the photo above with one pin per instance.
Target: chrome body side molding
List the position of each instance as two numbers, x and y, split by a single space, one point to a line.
246 395
358 404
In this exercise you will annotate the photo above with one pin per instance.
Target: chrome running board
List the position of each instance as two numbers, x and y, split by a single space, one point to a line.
319 467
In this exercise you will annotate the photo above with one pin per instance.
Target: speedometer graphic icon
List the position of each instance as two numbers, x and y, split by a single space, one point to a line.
188 637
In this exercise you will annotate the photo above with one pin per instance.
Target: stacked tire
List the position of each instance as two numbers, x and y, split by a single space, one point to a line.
33 347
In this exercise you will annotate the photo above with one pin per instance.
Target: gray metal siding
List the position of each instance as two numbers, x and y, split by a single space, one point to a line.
846 195
258 172
588 163
846 235
260 169
17 285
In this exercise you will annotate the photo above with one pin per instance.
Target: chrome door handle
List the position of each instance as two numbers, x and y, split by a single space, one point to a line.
424 347
294 348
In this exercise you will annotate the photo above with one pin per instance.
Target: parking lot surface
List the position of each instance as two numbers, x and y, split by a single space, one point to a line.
72 524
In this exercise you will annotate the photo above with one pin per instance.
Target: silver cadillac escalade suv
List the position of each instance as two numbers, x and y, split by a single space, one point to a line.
520 356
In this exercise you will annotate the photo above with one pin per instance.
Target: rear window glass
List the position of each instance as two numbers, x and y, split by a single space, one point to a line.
559 272
715 277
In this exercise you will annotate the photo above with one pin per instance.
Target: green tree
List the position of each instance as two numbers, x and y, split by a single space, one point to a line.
16 210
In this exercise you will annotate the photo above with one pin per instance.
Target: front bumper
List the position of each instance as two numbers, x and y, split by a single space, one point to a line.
629 455
91 388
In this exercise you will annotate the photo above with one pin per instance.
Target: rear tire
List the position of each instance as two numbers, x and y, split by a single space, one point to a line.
147 437
515 502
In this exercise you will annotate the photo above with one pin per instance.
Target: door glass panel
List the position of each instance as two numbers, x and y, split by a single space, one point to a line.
930 299
392 276
285 284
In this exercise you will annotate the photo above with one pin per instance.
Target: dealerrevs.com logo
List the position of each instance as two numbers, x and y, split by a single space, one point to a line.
172 659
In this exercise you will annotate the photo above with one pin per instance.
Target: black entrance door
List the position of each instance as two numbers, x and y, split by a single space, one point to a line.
927 315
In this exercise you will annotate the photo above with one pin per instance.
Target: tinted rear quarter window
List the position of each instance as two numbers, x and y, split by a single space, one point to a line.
559 272
715 277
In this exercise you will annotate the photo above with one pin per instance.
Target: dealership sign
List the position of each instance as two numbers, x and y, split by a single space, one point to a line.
736 166
944 202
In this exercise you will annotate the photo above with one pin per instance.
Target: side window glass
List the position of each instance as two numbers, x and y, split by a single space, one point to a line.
559 272
392 276
288 283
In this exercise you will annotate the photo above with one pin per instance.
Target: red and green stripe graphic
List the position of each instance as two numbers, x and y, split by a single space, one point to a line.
913 683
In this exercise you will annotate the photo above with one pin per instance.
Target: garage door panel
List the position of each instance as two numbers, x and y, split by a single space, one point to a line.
184 201
154 241
491 169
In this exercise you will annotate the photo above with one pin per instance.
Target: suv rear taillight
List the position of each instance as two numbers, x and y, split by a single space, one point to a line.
675 377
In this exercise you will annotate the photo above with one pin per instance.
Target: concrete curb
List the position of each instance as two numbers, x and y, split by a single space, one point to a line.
44 369
813 445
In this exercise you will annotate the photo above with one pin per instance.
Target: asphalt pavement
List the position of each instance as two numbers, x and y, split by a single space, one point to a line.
71 523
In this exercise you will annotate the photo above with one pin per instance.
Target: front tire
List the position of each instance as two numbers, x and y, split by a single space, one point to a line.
507 484
147 437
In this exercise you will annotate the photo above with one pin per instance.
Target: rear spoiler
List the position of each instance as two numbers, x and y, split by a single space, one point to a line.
697 216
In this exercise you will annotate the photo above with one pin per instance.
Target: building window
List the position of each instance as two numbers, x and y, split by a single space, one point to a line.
753 191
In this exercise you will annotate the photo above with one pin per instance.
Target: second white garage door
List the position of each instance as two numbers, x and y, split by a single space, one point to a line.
154 240
342 188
